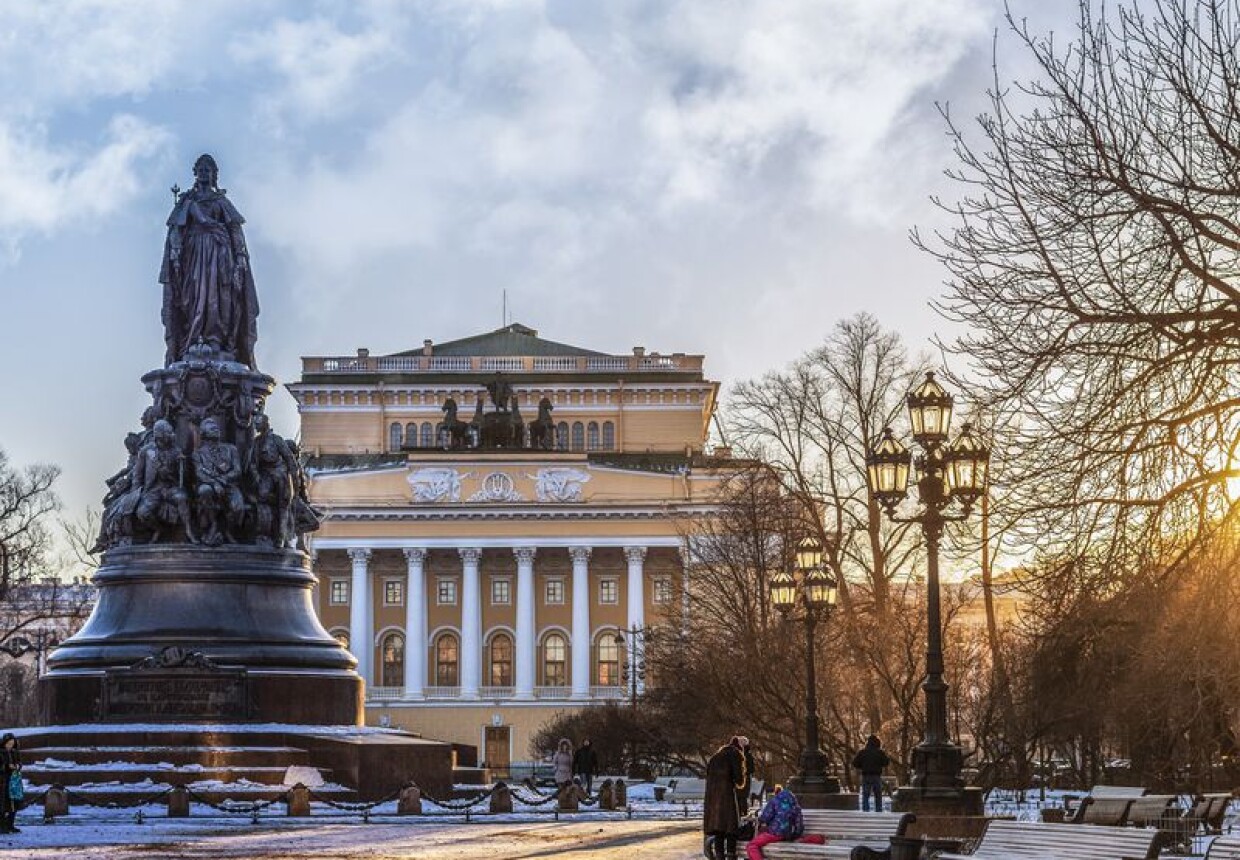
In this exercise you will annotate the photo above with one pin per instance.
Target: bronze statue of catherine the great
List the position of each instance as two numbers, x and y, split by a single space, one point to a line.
209 292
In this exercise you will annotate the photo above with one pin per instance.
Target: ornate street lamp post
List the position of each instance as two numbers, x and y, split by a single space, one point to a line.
945 474
817 592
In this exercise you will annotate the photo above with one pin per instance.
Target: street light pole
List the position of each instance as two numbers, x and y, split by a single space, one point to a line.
946 474
816 592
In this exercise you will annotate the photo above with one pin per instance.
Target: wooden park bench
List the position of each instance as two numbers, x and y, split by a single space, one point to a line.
844 830
1021 840
1212 814
1103 811
687 789
1152 810
1225 848
1110 791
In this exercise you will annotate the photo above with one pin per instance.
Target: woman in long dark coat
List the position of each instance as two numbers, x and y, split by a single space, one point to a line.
725 774
10 763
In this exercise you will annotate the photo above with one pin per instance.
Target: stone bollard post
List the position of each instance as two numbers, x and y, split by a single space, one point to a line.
501 798
606 795
569 799
299 800
621 793
55 802
178 802
410 801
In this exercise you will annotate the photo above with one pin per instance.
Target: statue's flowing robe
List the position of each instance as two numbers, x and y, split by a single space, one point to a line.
208 301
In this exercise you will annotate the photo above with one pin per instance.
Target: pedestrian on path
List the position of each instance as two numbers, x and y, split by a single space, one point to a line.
10 764
562 764
585 764
721 818
871 761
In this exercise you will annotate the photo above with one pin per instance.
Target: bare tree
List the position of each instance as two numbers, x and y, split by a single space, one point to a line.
26 504
1093 267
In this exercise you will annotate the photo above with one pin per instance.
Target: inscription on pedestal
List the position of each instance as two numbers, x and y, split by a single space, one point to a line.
175 695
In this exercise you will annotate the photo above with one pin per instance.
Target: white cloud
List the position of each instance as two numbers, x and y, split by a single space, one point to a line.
43 187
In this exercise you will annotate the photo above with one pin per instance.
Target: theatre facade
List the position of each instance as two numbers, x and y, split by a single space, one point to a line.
505 521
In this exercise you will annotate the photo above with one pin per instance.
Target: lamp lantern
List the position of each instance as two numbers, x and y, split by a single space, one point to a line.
887 467
930 412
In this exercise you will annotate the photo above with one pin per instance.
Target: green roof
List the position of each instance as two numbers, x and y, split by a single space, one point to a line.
514 339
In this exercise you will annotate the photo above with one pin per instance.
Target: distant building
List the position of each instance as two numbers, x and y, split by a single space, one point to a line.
486 587
35 617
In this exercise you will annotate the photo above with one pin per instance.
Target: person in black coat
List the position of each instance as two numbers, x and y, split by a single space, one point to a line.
585 764
725 775
10 763
871 761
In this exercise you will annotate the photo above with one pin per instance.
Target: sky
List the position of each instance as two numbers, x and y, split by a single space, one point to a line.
724 177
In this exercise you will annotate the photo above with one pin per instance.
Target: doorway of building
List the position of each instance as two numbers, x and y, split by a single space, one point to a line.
498 742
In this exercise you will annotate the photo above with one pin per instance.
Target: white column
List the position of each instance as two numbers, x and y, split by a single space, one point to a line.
526 634
361 616
415 623
581 621
686 561
471 623
636 557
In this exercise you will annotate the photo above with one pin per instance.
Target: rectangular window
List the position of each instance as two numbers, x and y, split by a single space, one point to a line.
662 590
446 592
393 592
608 591
554 594
339 594
501 592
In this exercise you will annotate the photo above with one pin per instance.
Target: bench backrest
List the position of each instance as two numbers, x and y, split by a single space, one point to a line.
843 824
1022 840
688 788
756 787
1224 848
664 781
1117 791
1217 809
1106 811
1151 809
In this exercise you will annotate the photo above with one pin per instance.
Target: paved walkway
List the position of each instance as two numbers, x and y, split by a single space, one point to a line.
284 840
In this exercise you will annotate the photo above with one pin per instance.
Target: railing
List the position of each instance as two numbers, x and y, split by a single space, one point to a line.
443 692
610 692
500 363
496 692
503 363
552 692
385 694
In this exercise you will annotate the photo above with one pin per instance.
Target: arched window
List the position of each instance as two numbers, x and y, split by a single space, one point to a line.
500 660
561 436
393 652
609 436
411 435
447 660
608 668
428 435
394 436
439 440
579 436
555 661
592 436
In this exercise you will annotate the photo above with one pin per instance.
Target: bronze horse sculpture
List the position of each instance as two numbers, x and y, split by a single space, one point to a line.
542 428
453 432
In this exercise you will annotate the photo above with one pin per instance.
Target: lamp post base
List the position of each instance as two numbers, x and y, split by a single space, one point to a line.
820 795
953 802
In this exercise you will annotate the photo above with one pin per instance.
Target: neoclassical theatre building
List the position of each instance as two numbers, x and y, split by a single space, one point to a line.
504 515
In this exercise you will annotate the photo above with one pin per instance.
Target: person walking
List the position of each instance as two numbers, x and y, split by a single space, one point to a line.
562 764
780 820
585 764
721 818
871 761
10 763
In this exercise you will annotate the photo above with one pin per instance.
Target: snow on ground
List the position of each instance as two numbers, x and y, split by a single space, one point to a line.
410 838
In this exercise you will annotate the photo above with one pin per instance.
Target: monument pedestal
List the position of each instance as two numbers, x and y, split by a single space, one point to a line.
939 802
190 633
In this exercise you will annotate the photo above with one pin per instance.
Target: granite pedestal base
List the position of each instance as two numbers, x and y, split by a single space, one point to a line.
187 633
